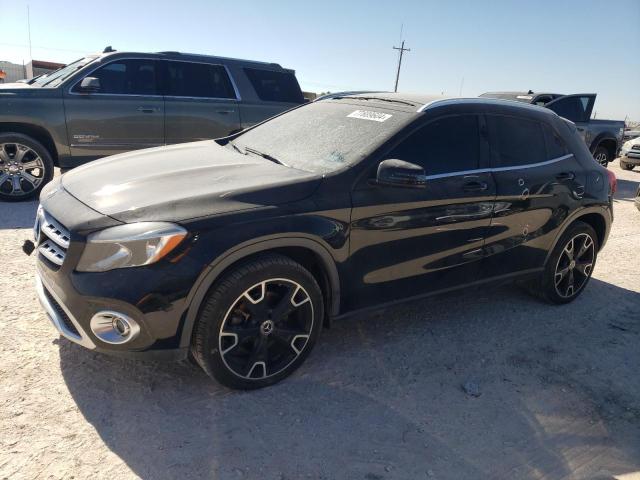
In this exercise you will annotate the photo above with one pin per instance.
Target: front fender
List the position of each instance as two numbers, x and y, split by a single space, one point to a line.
222 262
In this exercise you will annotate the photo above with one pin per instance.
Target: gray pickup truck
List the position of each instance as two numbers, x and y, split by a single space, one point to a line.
603 137
115 102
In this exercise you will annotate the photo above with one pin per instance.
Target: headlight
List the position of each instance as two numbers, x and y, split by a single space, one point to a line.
130 245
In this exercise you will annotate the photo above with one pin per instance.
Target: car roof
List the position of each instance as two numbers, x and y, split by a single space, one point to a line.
414 102
518 96
196 57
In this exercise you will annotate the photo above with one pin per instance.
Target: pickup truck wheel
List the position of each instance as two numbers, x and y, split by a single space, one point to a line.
626 166
259 323
569 266
602 156
25 167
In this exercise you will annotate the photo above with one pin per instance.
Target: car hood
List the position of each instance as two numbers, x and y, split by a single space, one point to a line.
186 181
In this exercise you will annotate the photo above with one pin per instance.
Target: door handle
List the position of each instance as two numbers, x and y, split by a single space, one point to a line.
565 176
475 186
224 112
148 109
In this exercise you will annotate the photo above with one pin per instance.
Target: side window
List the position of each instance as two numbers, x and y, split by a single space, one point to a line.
515 141
274 86
576 109
199 80
128 77
555 145
447 145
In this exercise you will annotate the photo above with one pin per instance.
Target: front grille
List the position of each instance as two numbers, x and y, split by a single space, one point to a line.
635 147
52 238
63 315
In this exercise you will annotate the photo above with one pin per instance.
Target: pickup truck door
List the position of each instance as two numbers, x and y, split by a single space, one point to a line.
125 113
577 108
201 102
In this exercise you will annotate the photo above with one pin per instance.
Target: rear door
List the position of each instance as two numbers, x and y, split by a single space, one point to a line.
407 242
538 184
126 113
200 102
576 108
276 91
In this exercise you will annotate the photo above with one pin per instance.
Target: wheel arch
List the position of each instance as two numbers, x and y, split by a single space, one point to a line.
306 251
36 132
594 216
606 141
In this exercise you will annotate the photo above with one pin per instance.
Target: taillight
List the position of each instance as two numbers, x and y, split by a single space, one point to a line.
613 182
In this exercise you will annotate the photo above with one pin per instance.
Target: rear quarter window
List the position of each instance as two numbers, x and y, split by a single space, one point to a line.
272 86
515 141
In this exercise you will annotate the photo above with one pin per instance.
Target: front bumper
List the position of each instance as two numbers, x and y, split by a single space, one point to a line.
631 156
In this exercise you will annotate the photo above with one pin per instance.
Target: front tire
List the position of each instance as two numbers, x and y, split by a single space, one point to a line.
258 323
601 155
25 167
570 265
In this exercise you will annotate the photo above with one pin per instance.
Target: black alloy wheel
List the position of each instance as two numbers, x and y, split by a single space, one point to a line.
259 323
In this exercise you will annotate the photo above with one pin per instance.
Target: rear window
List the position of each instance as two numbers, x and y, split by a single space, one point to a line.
515 141
200 80
274 86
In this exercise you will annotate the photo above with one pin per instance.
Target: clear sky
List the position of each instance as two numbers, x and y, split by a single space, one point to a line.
560 46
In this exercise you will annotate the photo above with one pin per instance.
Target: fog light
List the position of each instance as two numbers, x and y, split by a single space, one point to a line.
114 327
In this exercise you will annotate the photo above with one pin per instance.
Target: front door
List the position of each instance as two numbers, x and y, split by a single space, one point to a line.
125 113
200 102
407 242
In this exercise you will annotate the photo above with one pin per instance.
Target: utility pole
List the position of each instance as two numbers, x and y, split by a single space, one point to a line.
29 28
402 50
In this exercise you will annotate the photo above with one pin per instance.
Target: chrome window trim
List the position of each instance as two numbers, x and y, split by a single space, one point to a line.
499 169
90 71
82 339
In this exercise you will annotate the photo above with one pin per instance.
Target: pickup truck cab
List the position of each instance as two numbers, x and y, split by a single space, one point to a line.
115 102
603 137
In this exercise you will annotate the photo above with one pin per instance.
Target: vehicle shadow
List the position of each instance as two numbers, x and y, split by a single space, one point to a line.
381 397
17 214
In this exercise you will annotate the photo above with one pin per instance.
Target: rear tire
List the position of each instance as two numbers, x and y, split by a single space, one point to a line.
626 166
602 156
570 265
25 167
258 323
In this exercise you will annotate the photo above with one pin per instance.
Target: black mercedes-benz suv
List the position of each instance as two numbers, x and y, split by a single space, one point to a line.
238 251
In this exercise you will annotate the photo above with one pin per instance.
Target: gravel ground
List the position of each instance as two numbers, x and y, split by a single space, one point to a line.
382 396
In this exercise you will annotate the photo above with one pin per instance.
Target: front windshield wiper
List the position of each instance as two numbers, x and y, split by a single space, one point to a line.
263 155
237 148
379 99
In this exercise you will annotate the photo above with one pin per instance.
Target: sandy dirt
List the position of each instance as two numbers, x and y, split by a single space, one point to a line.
380 398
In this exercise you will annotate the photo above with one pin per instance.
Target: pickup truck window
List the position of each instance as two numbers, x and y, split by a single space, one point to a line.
572 108
274 86
127 77
515 141
199 80
450 144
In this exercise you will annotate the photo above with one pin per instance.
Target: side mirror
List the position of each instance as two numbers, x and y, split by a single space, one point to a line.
90 84
398 173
